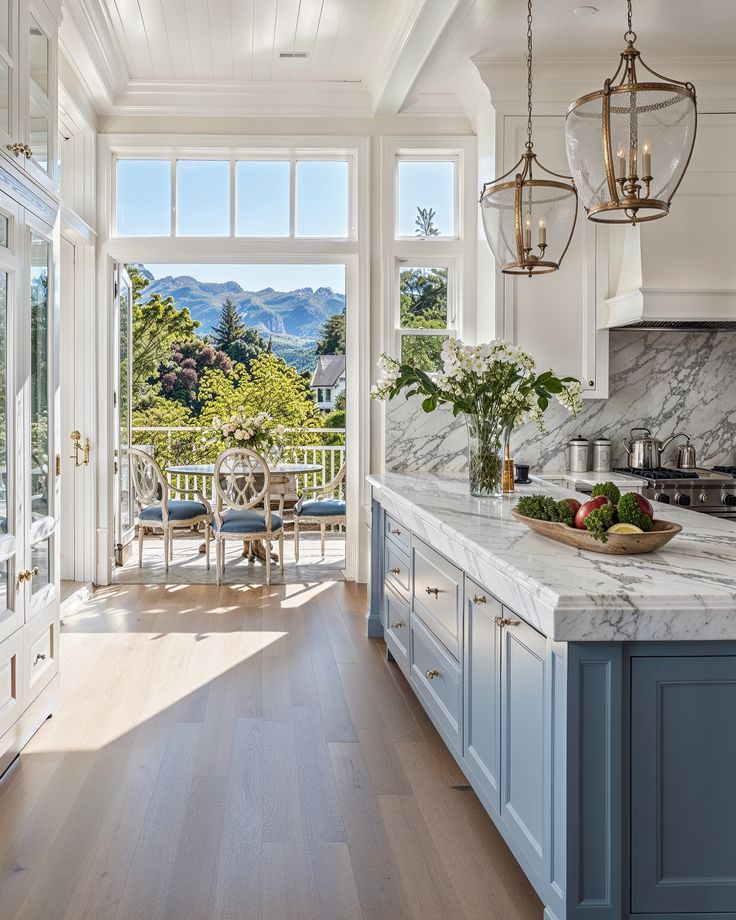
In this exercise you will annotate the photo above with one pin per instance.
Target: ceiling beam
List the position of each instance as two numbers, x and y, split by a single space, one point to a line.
414 38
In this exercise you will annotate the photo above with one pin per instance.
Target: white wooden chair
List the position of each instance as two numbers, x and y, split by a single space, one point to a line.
243 491
155 510
323 510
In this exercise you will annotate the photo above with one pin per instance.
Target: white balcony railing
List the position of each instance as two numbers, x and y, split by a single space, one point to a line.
180 446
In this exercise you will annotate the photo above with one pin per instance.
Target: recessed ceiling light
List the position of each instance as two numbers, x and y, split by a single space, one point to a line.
585 10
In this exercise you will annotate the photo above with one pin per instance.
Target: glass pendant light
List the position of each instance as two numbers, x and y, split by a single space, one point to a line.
529 219
629 144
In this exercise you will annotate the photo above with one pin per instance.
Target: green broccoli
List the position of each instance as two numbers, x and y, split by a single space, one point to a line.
609 489
599 520
629 512
544 508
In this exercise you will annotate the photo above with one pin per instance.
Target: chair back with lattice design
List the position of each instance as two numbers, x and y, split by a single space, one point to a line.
332 488
242 481
149 483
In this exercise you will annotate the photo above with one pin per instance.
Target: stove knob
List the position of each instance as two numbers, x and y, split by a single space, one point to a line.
729 498
662 497
681 499
704 498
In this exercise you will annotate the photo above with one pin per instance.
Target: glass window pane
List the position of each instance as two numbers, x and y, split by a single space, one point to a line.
262 190
39 137
423 298
4 478
422 351
4 242
5 24
426 198
126 494
41 559
322 198
39 377
38 47
143 198
4 96
203 198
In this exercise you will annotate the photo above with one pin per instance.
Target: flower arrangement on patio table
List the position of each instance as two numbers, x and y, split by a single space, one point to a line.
260 433
495 386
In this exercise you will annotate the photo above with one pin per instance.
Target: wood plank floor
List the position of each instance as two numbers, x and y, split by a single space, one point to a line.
242 753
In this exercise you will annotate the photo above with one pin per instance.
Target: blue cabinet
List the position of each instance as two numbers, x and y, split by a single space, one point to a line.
482 691
683 793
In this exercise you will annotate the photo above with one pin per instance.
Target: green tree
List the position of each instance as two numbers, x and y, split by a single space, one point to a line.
424 222
247 348
423 305
179 376
230 327
157 324
332 341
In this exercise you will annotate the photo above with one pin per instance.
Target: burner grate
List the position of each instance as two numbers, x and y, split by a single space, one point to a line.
730 470
658 473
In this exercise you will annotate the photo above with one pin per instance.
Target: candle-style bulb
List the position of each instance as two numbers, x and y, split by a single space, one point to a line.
542 232
646 161
621 159
528 233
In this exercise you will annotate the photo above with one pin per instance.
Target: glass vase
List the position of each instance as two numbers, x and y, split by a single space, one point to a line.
486 441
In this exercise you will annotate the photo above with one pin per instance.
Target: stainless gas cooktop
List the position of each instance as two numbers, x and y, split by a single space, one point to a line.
712 491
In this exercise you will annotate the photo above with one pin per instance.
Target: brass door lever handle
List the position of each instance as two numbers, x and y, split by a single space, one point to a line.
77 446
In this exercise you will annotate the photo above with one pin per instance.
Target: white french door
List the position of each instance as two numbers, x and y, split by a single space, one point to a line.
122 415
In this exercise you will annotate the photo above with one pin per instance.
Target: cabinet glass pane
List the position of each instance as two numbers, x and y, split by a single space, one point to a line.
143 197
41 559
262 190
322 198
3 408
4 96
5 25
39 377
38 48
39 136
4 237
203 198
426 198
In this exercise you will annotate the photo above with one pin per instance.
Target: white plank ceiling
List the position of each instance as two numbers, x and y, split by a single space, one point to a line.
242 40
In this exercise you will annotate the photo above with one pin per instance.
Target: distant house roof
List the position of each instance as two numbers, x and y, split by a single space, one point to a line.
328 371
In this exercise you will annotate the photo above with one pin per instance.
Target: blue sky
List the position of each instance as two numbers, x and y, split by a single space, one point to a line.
257 277
262 204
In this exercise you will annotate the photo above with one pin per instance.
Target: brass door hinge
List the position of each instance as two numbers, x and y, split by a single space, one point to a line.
58 464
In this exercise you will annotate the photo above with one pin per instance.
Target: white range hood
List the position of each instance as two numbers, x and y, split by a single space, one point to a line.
679 272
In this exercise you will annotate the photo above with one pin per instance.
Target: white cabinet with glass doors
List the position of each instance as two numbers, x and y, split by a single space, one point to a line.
28 86
29 484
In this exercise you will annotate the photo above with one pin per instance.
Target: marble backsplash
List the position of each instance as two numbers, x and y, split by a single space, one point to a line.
665 380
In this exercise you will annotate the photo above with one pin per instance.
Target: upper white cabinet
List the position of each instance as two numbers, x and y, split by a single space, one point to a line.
555 316
28 87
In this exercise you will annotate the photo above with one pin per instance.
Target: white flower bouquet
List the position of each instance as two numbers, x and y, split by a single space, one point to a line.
257 432
494 385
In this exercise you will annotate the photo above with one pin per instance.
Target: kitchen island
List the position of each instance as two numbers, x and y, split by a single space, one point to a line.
589 699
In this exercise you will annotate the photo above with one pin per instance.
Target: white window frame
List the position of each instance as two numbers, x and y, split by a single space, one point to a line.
456 253
283 155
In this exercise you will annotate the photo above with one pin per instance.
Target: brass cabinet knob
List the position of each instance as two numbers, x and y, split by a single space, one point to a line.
505 621
479 599
34 571
396 532
395 571
430 675
39 657
28 152
435 591
397 625
15 148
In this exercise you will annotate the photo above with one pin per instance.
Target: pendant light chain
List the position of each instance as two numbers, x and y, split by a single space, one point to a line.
529 143
630 34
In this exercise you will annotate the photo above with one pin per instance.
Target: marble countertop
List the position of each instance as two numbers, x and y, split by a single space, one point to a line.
590 479
685 591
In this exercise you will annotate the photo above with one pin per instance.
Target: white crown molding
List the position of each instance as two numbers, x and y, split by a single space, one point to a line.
432 104
88 42
558 83
287 99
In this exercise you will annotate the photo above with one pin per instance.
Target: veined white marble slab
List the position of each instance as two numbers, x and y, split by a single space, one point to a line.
586 481
685 591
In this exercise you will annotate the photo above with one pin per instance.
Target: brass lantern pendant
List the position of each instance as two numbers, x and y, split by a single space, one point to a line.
629 144
529 219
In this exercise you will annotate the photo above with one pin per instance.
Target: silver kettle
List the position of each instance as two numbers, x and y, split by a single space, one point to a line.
644 451
686 454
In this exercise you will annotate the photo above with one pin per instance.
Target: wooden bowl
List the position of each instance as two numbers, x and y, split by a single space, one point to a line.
619 544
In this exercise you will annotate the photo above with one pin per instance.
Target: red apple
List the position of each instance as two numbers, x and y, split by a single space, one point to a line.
586 507
645 505
573 503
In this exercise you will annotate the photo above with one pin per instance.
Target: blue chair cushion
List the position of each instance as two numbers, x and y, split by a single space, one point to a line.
178 511
247 522
325 507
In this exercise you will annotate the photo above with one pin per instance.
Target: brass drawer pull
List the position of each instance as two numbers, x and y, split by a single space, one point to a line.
479 599
430 675
435 591
396 532
395 571
39 657
505 621
397 625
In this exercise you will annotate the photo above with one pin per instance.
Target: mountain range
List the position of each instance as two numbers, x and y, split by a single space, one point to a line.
292 319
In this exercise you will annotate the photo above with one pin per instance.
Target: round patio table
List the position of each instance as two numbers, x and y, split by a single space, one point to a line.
208 469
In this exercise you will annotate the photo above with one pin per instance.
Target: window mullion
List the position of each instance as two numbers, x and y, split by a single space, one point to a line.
292 197
173 196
